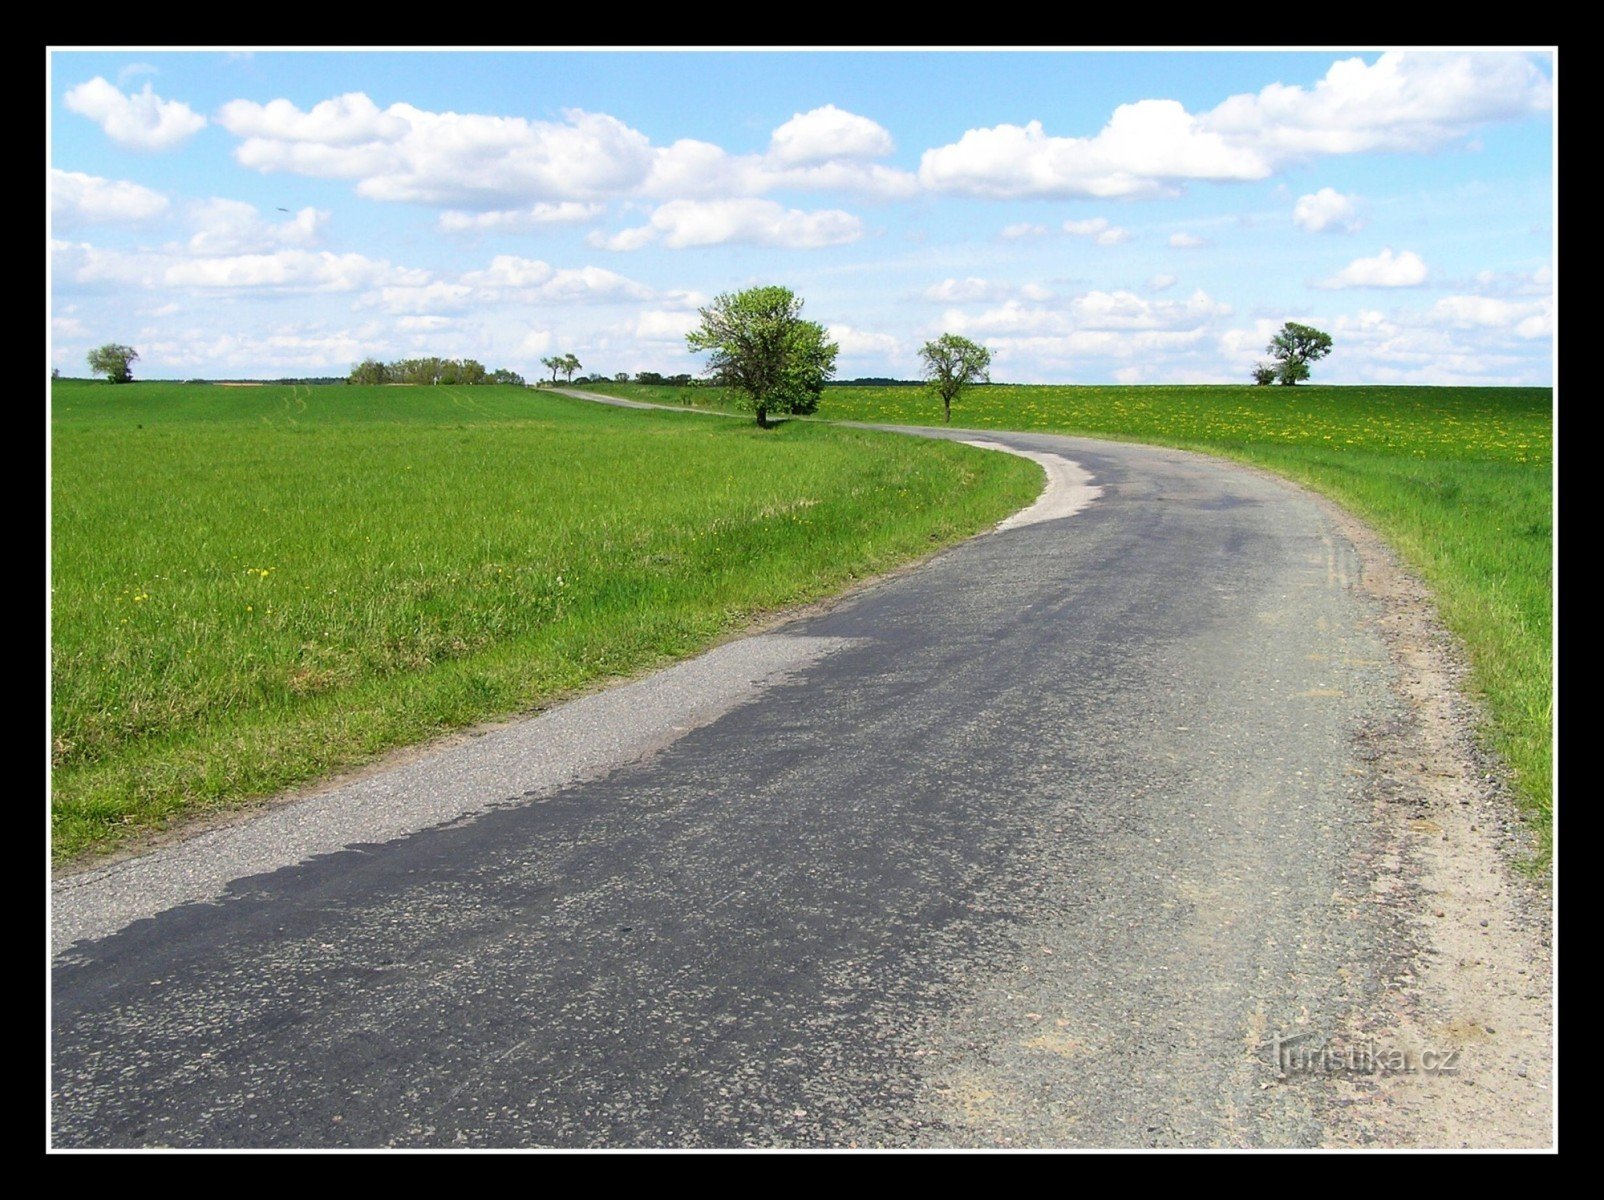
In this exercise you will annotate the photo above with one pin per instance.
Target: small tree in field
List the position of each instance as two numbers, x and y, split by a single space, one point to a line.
765 352
952 363
1294 348
1264 373
554 364
570 364
370 371
112 361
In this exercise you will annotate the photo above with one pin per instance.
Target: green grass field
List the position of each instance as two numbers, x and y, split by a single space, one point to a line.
252 587
1457 479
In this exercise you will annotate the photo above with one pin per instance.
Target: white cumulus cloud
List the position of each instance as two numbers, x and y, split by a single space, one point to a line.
828 134
78 199
285 351
420 298
1187 241
971 289
288 271
1327 210
348 120
234 227
1537 282
1099 230
1404 101
510 271
862 341
1126 310
962 291
141 121
1458 340
1538 325
518 220
661 325
690 169
1070 351
592 285
1475 310
493 171
1090 315
1145 149
1385 270
530 280
633 238
682 223
1533 319
458 160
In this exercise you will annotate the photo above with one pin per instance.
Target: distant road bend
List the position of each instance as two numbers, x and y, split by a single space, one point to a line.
1038 844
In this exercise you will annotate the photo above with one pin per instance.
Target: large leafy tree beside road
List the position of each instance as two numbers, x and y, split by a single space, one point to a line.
762 350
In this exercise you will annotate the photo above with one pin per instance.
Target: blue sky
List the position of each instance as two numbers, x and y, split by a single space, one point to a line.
1092 217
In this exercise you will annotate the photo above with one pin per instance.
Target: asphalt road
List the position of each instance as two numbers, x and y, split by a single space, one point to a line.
1038 844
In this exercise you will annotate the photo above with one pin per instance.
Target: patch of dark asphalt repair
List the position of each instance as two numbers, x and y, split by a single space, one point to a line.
1045 859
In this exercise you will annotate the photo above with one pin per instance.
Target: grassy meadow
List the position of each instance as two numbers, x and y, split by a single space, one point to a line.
1458 479
255 586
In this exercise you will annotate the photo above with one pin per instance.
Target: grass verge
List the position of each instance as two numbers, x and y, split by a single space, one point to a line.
253 587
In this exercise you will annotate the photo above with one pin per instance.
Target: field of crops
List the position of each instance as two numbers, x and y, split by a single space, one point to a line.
253 586
1458 479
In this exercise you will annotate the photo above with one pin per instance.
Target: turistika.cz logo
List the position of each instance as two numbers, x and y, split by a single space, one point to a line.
1299 1054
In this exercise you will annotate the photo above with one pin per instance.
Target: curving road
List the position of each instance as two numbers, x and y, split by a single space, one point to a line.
1039 843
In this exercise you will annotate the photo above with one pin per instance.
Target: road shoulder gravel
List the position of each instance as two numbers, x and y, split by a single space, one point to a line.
1475 932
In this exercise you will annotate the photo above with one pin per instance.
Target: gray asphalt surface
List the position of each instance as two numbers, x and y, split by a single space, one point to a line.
1036 845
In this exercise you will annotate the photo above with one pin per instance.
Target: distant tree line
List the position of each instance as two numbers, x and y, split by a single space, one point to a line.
874 381
454 371
283 381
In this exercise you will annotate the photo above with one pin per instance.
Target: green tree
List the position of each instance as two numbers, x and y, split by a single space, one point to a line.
764 351
370 371
1264 373
112 361
952 363
570 364
1294 348
553 364
621 377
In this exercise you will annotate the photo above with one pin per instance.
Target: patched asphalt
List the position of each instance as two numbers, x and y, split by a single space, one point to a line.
1038 844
